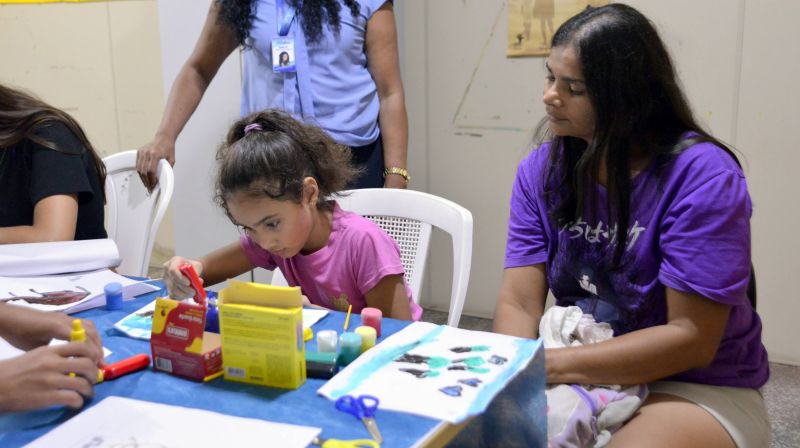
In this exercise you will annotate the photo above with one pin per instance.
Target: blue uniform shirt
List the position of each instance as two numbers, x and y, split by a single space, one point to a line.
332 87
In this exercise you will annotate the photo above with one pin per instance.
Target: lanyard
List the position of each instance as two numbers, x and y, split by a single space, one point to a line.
285 16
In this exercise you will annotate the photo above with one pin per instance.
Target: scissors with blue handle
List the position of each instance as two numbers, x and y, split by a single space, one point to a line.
363 408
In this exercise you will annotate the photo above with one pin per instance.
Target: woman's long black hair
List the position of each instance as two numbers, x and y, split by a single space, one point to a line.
21 114
639 109
238 14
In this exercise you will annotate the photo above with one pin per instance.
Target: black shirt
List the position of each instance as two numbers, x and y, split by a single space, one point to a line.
30 172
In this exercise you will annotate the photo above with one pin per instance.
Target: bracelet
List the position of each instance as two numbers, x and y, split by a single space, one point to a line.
399 171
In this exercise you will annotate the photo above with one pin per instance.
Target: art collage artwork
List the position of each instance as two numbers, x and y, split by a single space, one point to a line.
435 371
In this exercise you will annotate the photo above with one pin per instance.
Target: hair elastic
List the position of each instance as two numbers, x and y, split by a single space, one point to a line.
252 127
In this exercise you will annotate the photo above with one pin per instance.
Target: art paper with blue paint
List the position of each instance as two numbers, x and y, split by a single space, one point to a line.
138 324
440 372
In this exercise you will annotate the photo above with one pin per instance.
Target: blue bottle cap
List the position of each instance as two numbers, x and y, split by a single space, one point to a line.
113 292
212 318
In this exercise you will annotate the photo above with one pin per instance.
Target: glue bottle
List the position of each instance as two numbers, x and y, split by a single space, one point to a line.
113 292
78 334
212 313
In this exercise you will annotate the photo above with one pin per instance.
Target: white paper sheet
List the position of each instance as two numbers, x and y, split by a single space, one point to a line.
421 388
86 285
312 316
8 351
27 260
124 422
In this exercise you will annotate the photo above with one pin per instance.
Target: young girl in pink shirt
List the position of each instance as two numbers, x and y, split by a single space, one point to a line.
275 181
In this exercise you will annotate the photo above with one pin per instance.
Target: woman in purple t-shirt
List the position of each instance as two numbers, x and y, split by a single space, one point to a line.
631 211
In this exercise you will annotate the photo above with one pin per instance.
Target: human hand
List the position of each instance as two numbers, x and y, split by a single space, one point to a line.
178 285
41 377
32 328
147 158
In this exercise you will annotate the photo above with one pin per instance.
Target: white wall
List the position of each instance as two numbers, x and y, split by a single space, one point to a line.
88 59
200 226
768 121
472 112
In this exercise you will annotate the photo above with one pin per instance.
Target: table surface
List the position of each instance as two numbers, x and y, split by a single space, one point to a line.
302 406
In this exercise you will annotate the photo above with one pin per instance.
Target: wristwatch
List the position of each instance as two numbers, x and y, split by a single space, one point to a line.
399 171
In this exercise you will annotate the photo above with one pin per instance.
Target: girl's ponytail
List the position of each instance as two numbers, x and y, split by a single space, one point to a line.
270 153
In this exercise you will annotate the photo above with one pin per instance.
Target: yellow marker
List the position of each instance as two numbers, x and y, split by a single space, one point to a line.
78 334
347 319
308 334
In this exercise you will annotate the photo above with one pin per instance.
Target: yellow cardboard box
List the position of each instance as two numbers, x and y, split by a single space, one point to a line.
262 334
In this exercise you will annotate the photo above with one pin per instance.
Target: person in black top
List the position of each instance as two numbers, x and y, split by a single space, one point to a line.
51 179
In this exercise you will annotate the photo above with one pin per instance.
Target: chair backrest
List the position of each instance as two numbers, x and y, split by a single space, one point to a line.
133 214
408 216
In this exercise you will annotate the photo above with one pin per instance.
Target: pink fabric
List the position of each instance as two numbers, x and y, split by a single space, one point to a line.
358 255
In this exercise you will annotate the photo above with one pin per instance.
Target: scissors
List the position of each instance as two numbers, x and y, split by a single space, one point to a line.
363 408
336 443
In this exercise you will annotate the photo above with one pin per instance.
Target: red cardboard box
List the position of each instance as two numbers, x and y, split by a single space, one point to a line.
180 344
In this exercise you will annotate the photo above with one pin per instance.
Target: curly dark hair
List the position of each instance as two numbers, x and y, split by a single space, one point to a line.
273 159
238 14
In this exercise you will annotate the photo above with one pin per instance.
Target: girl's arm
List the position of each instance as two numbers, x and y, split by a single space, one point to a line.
54 219
688 340
224 263
220 265
521 302
389 296
215 43
384 66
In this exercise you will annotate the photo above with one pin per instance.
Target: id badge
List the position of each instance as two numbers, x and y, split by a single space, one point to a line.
283 55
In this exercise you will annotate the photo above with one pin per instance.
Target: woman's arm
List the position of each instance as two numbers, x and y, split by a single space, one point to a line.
384 66
389 296
688 340
215 43
521 302
54 219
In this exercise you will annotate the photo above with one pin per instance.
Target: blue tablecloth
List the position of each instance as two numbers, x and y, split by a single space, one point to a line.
302 406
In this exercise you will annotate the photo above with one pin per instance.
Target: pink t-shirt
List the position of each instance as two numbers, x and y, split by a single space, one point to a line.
358 255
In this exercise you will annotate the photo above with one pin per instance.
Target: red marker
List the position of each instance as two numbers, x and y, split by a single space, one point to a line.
123 367
199 293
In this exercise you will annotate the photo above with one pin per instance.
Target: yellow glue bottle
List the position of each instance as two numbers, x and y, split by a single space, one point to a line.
78 334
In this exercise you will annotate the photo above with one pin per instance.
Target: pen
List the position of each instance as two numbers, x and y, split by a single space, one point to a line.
123 367
347 319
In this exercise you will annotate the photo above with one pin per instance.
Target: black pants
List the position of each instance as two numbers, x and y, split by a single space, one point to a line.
369 158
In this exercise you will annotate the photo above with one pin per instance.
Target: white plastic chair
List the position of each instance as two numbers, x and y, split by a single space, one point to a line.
133 214
408 216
